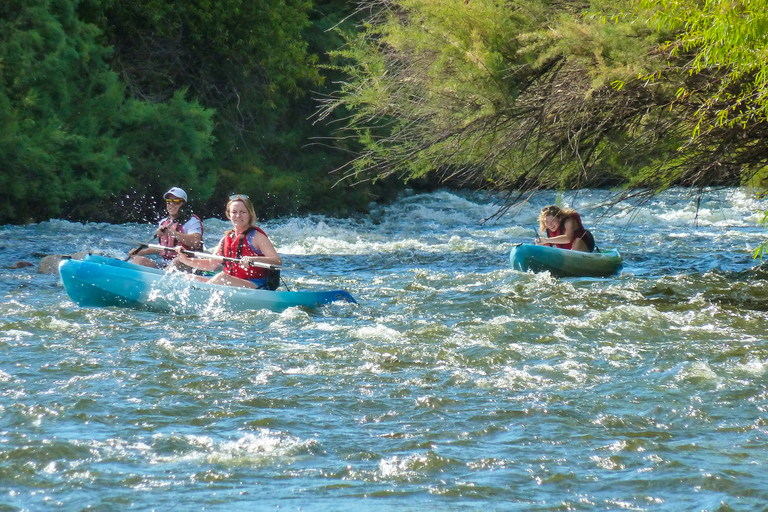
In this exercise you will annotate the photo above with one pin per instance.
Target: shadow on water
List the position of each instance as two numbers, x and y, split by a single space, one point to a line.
745 289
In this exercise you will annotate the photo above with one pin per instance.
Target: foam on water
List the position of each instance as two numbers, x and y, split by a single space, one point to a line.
455 383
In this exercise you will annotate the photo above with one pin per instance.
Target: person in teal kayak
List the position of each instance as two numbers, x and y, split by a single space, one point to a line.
245 242
564 230
180 228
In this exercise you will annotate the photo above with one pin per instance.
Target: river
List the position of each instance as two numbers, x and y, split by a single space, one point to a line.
455 383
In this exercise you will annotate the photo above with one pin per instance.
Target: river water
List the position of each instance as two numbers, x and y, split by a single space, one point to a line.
456 383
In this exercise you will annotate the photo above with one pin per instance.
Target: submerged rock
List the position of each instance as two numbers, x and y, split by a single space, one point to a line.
21 264
50 264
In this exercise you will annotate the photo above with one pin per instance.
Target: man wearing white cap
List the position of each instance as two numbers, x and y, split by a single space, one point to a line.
178 228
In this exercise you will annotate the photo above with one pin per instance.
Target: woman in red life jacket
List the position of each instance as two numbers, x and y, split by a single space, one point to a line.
246 242
564 230
177 229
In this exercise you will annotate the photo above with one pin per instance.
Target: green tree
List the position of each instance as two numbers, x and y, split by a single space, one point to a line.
712 69
522 95
245 59
55 93
499 94
255 64
726 40
168 144
71 145
728 35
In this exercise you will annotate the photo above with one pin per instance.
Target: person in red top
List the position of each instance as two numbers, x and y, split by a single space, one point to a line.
245 242
564 230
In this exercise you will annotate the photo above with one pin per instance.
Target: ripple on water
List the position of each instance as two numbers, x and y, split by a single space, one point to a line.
455 383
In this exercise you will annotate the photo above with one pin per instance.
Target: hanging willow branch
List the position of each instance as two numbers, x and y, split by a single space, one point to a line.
509 106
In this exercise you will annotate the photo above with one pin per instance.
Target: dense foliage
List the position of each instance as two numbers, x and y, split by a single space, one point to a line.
105 104
520 95
52 151
72 141
246 59
722 48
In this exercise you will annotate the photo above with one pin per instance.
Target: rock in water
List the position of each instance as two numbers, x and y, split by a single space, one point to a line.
50 263
21 264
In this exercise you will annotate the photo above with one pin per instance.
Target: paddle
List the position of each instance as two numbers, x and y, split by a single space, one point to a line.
140 245
216 257
521 243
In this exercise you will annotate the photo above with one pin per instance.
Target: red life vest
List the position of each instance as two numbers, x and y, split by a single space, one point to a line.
238 246
561 231
171 241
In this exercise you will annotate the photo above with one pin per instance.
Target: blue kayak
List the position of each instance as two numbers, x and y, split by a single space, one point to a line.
97 281
564 262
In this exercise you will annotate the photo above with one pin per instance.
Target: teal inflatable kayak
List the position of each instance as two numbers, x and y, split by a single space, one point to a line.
564 262
101 282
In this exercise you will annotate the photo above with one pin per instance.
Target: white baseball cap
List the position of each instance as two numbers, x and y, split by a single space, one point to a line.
176 192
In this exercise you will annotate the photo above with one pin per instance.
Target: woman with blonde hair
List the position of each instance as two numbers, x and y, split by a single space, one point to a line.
245 242
564 229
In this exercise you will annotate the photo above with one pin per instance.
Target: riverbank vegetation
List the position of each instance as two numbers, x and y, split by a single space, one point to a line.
520 95
104 104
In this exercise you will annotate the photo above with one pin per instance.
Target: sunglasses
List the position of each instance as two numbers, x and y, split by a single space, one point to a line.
235 197
174 201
